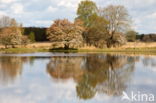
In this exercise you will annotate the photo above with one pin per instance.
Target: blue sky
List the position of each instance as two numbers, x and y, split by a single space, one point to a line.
43 12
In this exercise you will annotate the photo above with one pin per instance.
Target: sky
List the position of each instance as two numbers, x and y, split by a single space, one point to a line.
42 13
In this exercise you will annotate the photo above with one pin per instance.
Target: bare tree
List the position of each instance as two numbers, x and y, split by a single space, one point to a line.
6 21
118 20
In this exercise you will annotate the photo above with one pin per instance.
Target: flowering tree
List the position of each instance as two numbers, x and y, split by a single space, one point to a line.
66 33
10 32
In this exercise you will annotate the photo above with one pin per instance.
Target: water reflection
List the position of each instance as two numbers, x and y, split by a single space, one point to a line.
74 78
94 74
148 61
66 67
10 69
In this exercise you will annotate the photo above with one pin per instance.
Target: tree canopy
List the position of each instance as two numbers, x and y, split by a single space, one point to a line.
104 26
86 10
131 35
11 32
97 33
117 16
118 21
65 32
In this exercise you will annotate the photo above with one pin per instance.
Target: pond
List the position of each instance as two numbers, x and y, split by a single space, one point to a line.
77 78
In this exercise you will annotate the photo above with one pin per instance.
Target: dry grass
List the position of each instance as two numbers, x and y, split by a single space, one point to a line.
88 47
130 47
46 45
139 45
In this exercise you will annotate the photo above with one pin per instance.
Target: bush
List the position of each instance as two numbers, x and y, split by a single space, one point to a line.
25 40
131 36
32 37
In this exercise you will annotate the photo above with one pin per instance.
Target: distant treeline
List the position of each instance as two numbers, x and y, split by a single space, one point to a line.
39 33
146 37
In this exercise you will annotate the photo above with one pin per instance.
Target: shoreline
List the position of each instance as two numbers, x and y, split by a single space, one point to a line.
130 47
150 51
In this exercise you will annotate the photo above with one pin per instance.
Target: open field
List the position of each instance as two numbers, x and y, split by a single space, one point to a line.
140 45
35 45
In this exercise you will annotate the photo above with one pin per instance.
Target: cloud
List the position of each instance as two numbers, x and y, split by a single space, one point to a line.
72 4
51 9
7 1
69 3
30 12
151 16
2 13
40 91
43 22
17 8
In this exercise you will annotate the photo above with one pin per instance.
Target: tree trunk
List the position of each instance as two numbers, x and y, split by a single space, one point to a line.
66 46
13 46
6 46
110 40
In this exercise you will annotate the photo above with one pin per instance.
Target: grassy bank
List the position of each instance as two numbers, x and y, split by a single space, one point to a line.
133 47
113 50
23 50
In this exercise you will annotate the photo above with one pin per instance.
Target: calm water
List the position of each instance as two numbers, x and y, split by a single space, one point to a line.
75 78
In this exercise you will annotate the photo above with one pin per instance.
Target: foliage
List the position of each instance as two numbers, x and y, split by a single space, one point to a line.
97 33
93 74
39 33
25 40
149 38
117 16
10 36
66 33
118 21
118 40
31 36
131 35
85 11
11 32
104 26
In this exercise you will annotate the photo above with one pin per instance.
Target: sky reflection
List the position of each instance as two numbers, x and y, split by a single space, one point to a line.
88 78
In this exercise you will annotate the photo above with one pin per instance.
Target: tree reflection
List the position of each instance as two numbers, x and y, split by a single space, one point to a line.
94 74
10 68
66 67
119 73
148 61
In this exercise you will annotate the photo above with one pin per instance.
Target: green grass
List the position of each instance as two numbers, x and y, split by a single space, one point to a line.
114 50
123 50
107 50
23 50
